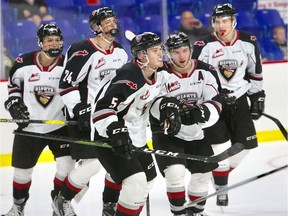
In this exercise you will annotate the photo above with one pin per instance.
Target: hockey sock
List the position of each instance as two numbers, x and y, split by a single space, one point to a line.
68 190
111 190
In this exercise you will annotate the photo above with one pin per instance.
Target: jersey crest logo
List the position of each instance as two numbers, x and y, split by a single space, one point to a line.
199 43
100 63
144 97
228 68
129 83
44 95
173 86
218 53
19 60
188 99
34 77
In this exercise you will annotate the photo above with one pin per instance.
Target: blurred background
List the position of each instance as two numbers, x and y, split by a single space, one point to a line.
18 34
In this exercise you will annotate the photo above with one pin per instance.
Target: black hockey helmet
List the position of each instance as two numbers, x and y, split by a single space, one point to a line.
143 42
223 10
48 30
177 40
97 16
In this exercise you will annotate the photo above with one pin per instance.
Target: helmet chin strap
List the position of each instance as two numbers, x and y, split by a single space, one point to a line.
47 55
145 65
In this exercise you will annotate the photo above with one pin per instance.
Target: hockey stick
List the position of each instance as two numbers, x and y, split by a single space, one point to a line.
54 122
236 148
193 203
278 123
148 206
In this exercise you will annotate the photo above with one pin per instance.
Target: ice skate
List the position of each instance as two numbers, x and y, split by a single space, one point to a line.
63 207
16 210
109 209
222 200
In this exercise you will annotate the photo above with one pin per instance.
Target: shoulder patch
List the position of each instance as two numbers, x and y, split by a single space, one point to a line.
253 38
199 43
19 60
129 83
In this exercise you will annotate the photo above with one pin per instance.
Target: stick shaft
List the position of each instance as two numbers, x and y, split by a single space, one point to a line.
236 148
49 121
191 204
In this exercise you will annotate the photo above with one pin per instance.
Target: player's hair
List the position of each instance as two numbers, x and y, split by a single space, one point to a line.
143 42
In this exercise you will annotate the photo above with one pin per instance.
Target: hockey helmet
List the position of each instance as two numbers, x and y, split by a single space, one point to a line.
223 10
177 40
48 30
97 16
143 42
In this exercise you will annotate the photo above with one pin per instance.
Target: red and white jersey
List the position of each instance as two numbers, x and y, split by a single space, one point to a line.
238 63
87 69
38 87
128 98
197 86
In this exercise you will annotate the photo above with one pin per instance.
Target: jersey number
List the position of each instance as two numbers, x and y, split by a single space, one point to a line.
68 76
113 102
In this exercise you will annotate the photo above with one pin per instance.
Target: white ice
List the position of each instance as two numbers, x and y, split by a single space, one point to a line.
266 196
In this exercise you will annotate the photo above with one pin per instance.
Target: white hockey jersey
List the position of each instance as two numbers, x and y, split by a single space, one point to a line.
128 99
238 63
87 69
198 86
38 87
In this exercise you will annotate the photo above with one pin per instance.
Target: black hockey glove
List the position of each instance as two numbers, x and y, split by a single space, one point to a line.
82 112
257 104
170 120
120 140
226 99
194 114
17 110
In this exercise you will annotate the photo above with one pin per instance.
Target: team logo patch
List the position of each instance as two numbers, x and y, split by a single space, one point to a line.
105 73
188 99
173 86
34 77
144 97
44 95
129 83
100 63
81 53
199 43
19 60
228 68
253 38
218 53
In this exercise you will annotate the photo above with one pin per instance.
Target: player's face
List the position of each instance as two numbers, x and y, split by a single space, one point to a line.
155 56
181 56
109 24
223 26
52 42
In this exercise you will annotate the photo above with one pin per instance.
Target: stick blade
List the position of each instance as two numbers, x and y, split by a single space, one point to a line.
129 35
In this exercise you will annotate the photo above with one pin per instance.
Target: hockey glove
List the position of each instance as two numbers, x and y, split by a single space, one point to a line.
194 114
17 110
120 140
257 104
226 99
82 112
170 120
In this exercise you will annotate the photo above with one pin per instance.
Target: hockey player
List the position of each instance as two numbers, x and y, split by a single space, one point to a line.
89 65
122 116
195 88
235 55
33 94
